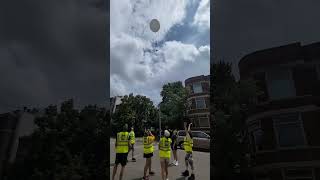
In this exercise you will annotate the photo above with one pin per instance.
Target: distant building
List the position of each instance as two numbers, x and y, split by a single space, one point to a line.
284 126
13 127
114 103
199 112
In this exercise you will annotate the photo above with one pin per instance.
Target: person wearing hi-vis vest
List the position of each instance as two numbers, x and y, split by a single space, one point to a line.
165 153
122 149
148 150
132 142
188 144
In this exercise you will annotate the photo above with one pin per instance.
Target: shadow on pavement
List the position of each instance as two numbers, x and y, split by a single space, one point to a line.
182 178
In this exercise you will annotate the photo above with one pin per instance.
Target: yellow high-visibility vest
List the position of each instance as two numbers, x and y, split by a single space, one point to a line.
132 137
122 142
164 147
148 144
188 144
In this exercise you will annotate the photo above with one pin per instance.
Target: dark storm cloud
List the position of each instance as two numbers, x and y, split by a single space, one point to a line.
241 27
52 51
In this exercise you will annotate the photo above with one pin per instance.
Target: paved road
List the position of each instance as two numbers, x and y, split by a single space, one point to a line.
134 170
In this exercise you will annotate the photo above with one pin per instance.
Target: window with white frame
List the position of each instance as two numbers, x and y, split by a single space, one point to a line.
299 174
200 103
197 87
289 130
280 84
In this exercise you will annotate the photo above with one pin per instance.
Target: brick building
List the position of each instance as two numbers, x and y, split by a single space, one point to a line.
284 126
199 98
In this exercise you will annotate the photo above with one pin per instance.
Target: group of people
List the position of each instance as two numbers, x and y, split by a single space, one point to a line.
125 143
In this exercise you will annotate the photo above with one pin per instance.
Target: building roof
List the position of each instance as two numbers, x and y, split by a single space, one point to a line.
197 78
279 55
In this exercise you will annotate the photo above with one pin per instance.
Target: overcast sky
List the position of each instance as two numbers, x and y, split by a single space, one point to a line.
51 51
241 27
182 48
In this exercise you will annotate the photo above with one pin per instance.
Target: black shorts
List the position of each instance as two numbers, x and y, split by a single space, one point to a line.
148 155
121 158
174 147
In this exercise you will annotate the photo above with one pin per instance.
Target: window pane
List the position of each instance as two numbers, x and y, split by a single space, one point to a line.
300 172
258 138
195 134
200 103
204 122
197 88
182 133
290 135
280 84
202 135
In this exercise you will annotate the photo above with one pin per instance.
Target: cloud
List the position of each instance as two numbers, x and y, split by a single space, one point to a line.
174 61
133 16
52 51
137 65
241 27
202 16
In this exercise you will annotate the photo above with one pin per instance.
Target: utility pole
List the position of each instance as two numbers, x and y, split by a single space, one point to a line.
159 122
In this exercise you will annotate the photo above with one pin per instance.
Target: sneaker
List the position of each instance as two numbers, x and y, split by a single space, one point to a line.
176 164
185 173
151 173
173 162
191 177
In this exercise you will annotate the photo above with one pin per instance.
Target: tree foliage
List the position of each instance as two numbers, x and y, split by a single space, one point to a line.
137 111
174 104
67 145
230 97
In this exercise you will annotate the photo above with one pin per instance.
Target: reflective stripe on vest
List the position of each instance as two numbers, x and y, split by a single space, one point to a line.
188 144
164 147
122 142
147 145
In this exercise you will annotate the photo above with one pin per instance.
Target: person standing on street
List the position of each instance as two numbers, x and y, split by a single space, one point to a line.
122 147
174 147
188 144
132 142
148 150
165 153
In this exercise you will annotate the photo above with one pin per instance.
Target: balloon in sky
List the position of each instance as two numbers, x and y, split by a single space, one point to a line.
154 25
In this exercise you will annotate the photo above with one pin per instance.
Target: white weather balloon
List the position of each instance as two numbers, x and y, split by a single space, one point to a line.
154 25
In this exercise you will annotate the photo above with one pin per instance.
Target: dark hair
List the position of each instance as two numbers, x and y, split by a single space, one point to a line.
125 127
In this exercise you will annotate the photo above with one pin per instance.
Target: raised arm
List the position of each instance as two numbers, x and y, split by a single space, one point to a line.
189 126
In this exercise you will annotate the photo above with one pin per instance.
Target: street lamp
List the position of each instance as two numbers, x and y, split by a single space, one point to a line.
159 122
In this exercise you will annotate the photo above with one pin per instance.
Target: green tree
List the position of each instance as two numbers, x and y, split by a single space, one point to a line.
174 104
137 111
66 145
228 98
